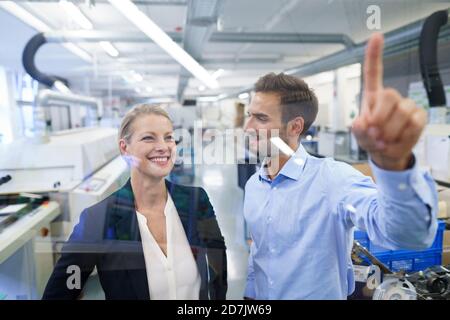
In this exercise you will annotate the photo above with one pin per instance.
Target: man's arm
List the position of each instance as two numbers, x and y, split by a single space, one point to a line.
250 285
399 212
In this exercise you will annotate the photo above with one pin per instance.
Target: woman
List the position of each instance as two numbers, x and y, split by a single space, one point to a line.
151 239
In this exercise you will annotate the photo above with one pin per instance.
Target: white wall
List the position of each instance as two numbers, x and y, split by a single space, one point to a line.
228 112
322 85
10 123
338 97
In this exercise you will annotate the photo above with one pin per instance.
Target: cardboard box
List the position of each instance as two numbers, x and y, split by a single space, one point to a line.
444 197
446 243
446 248
446 258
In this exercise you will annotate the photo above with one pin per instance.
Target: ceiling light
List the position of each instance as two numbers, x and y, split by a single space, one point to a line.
75 13
137 77
217 73
208 99
162 100
78 51
148 89
24 15
40 26
109 48
243 96
132 77
147 26
201 88
127 78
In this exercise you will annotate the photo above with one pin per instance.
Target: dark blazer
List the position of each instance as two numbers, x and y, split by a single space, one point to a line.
108 237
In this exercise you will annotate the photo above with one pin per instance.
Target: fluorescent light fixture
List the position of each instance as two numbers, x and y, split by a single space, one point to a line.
132 77
201 88
147 26
208 99
138 90
127 78
137 77
243 96
109 48
282 146
161 100
26 17
148 89
75 13
216 74
78 51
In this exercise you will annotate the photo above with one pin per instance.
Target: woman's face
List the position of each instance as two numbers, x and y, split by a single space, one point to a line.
151 149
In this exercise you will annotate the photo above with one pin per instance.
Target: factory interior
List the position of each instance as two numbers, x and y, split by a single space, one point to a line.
73 71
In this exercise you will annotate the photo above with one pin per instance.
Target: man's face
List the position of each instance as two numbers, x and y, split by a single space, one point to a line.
264 121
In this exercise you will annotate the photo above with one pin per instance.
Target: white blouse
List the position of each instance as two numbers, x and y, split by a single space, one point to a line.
176 276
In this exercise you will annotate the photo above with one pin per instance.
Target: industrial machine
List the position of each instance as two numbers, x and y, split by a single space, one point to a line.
26 256
436 137
76 168
433 151
378 282
72 169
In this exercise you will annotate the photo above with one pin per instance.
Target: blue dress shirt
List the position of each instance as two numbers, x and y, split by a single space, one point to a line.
302 223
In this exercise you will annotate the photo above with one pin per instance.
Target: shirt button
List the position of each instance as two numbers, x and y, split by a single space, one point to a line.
274 188
402 186
272 250
269 219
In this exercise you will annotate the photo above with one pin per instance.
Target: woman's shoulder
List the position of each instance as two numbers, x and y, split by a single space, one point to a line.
189 197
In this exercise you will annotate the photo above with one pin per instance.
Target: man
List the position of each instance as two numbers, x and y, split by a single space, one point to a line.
302 210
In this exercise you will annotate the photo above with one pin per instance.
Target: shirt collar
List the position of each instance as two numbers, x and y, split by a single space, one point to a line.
292 168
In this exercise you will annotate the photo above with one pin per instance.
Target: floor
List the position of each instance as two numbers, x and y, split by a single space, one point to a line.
220 182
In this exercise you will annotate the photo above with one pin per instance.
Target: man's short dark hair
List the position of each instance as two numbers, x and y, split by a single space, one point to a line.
296 98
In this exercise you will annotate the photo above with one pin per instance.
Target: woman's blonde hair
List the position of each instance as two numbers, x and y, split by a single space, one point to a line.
135 112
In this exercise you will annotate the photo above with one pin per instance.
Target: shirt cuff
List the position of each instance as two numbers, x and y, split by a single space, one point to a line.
249 290
403 185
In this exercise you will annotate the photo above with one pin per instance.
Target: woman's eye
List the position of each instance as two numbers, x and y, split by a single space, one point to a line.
147 138
170 138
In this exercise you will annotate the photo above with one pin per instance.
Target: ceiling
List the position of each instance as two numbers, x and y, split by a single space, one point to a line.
243 61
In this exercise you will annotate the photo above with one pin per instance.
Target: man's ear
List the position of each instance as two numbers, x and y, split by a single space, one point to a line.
295 127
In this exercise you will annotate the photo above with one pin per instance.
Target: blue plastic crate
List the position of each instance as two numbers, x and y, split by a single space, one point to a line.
408 260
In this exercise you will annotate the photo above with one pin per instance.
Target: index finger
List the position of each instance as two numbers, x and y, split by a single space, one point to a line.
373 64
